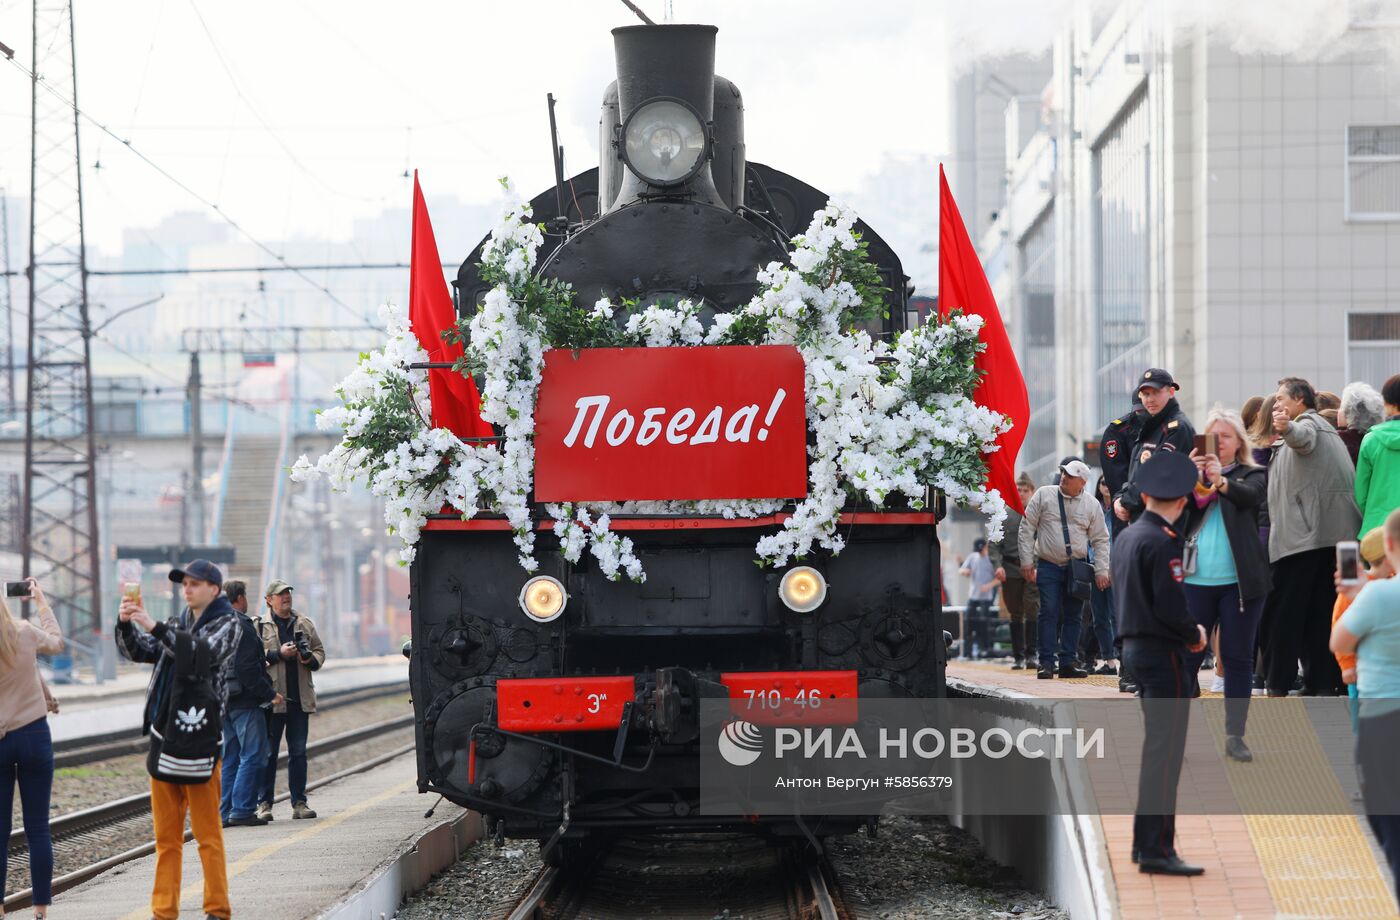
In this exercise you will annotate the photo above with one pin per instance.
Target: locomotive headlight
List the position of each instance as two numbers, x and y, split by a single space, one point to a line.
802 589
664 141
543 598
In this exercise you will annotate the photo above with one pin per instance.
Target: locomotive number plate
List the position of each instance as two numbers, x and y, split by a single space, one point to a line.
793 697
562 704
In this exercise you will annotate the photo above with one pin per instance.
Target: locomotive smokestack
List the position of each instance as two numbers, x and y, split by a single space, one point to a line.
665 98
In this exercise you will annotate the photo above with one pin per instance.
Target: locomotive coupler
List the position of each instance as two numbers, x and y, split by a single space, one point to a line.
675 711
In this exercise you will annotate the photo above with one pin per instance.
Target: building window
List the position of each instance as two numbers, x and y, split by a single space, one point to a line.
116 404
1373 172
1039 453
1373 347
1122 245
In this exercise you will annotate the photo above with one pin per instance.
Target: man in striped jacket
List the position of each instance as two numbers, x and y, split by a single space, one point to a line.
208 616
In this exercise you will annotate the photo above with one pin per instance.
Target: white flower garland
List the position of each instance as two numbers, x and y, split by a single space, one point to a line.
872 438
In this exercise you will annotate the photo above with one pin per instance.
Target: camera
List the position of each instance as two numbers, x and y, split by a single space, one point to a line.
303 647
16 589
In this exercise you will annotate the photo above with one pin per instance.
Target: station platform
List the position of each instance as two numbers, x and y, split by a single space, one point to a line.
286 870
1321 865
97 709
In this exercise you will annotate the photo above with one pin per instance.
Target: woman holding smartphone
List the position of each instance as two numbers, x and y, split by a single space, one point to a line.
26 748
1227 569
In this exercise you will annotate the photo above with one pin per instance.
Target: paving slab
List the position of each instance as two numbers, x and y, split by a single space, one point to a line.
1294 866
286 870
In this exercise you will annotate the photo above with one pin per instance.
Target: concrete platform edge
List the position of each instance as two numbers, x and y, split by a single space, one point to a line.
383 891
1069 856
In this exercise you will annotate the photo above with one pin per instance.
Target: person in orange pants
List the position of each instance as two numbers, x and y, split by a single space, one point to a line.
169 804
207 616
1373 551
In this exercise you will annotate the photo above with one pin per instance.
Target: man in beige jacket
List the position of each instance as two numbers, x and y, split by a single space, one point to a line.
1046 564
294 651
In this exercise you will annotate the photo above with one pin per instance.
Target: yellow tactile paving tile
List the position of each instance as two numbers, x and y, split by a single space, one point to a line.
1314 865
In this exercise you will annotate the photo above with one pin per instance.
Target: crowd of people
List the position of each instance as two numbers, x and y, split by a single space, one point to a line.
1282 481
225 687
1278 538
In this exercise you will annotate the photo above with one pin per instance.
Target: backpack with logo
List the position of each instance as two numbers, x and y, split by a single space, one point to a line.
185 742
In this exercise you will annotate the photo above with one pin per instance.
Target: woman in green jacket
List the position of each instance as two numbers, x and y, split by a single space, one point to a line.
1378 465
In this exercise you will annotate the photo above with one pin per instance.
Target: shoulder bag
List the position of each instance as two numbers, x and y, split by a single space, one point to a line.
1081 573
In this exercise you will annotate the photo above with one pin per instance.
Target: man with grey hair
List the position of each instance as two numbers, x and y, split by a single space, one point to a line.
1061 522
1312 507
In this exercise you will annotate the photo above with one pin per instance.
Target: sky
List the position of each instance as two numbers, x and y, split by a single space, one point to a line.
298 118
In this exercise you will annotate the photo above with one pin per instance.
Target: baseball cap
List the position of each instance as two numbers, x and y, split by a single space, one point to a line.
202 569
1167 474
276 586
1156 378
1079 469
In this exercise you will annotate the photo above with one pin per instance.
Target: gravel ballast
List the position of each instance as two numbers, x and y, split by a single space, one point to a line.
916 868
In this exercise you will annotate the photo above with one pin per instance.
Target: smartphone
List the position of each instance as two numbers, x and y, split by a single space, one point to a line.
16 589
131 591
1205 444
1349 562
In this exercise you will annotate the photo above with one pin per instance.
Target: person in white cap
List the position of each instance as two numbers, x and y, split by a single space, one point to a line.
1061 522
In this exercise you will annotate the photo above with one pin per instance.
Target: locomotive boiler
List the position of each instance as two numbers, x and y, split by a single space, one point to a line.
561 704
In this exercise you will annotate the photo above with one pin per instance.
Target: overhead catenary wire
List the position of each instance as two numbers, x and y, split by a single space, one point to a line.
245 233
640 15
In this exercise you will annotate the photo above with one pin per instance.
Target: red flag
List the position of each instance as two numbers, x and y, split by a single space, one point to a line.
456 404
962 283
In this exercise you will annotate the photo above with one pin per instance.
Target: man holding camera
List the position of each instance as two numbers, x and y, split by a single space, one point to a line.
294 651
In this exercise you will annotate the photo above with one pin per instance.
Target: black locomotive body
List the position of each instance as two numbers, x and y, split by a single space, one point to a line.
589 722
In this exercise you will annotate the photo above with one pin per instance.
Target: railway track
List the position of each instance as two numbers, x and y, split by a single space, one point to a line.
75 752
89 828
684 878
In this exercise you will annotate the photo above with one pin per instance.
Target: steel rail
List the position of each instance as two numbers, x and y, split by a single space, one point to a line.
563 891
532 905
74 752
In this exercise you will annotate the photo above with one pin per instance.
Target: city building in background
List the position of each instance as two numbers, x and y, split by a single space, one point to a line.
1168 201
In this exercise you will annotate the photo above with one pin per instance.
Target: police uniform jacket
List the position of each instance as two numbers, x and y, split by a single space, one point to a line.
1115 448
1169 429
1147 579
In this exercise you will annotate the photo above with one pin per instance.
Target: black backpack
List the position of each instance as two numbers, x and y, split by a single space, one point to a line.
185 743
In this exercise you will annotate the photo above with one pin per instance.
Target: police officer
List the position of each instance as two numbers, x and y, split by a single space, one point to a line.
1116 446
1157 631
1116 451
1165 427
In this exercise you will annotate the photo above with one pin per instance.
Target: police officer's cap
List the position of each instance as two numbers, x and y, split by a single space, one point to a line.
1156 378
1167 474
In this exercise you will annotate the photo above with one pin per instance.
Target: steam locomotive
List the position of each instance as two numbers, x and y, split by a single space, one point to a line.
563 705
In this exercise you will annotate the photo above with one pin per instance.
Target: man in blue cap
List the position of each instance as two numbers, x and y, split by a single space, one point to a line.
1157 631
207 616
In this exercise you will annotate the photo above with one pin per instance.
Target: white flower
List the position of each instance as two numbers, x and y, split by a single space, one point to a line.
303 470
877 434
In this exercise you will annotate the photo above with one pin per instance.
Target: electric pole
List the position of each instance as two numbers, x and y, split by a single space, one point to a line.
196 400
59 535
9 413
7 328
